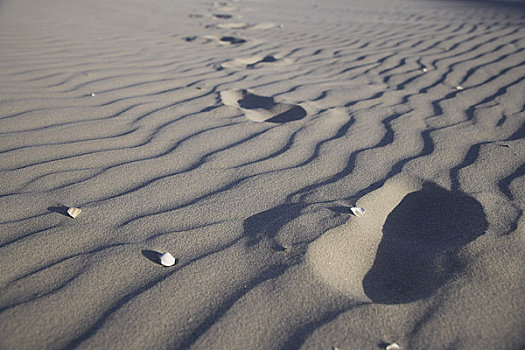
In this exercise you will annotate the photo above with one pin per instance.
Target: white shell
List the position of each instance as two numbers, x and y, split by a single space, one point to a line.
358 211
424 70
93 94
393 346
459 87
74 212
167 259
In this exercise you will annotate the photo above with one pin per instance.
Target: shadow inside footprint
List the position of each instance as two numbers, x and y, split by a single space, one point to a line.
421 239
222 40
232 40
222 15
294 113
252 101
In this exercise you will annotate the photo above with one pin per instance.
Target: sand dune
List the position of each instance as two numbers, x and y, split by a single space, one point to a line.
237 135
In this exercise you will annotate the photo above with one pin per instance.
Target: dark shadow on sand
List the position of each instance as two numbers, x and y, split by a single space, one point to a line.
421 239
152 255
267 224
251 101
294 113
62 209
232 40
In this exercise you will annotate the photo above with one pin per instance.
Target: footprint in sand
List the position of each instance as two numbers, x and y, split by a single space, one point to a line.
421 239
222 40
261 108
404 248
255 62
223 15
212 16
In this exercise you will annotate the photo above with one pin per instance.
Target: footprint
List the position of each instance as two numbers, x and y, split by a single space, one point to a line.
260 108
213 16
222 15
404 248
254 61
222 40
231 40
421 239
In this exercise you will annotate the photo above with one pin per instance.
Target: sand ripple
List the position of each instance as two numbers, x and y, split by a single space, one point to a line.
239 147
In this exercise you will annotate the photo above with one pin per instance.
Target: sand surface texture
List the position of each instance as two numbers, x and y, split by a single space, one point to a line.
236 136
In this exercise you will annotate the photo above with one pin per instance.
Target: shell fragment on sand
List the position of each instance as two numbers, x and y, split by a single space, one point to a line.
358 211
167 259
74 212
393 346
459 87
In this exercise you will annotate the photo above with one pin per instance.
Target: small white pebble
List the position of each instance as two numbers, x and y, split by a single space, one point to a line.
167 259
393 346
459 87
74 212
358 211
93 94
424 70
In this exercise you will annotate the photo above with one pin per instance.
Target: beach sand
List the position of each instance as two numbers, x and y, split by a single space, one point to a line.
237 136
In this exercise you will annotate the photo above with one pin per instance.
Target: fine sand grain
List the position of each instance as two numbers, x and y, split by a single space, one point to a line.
236 136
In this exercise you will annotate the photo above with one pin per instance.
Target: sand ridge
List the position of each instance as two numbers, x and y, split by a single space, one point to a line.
237 135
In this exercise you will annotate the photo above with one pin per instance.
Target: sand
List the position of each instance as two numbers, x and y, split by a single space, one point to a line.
236 136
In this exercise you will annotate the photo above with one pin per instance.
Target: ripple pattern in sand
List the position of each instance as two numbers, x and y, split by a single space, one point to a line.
238 141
